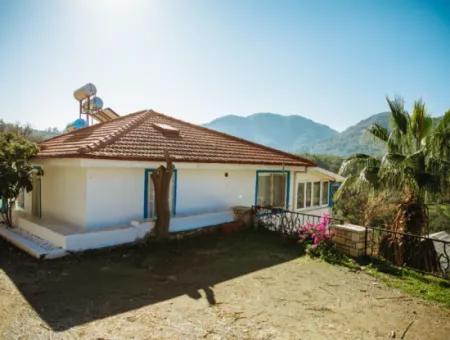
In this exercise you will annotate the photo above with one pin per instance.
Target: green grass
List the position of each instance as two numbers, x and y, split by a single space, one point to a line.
424 286
417 284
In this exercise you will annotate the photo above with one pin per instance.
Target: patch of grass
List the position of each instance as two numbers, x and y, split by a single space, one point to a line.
421 285
424 286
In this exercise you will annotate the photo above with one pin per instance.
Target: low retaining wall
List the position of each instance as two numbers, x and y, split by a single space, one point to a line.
350 239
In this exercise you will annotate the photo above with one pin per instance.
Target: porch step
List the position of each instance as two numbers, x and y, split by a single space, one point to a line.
33 245
32 227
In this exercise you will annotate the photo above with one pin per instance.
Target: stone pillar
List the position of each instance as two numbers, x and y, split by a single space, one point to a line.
243 214
350 239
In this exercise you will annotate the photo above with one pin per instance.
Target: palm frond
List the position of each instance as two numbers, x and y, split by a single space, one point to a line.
379 132
420 123
416 162
354 164
396 141
392 170
400 118
369 177
346 185
438 143
445 121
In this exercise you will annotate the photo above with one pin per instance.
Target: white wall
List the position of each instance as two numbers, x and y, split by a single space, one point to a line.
63 194
114 196
99 194
201 190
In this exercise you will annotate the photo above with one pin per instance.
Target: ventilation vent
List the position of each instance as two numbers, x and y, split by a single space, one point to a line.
167 129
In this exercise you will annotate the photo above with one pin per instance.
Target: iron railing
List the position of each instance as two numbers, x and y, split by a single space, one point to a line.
285 221
422 253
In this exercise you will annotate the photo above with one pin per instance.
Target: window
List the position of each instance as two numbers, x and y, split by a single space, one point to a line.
308 195
20 201
312 194
316 193
149 199
300 195
325 193
271 190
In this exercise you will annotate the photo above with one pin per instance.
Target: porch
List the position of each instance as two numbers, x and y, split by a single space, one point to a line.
47 238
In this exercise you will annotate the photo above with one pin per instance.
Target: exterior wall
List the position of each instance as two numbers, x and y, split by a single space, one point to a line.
114 196
96 194
63 194
202 190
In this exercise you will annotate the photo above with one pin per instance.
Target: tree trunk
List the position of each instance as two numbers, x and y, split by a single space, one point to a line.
6 212
161 178
411 218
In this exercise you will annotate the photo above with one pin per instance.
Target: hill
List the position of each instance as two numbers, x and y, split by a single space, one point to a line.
282 132
298 134
352 140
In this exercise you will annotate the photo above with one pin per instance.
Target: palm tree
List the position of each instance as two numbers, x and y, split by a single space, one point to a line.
416 164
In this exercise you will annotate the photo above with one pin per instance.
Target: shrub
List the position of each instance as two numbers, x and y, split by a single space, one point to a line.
317 238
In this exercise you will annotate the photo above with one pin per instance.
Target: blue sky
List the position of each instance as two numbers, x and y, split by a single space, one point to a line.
331 61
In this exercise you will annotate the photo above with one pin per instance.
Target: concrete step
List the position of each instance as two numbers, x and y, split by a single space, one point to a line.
41 232
31 244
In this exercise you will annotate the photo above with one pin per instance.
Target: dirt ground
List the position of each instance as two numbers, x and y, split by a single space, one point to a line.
245 285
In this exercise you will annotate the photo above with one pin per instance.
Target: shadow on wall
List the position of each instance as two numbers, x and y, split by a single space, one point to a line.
72 291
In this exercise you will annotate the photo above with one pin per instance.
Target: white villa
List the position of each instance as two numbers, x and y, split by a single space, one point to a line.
96 190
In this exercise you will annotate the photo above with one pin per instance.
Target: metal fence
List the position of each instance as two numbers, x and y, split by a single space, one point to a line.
417 252
421 253
285 221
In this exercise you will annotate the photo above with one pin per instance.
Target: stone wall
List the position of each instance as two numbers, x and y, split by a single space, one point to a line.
350 239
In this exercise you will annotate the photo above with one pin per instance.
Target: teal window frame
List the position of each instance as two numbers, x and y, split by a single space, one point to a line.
147 172
288 184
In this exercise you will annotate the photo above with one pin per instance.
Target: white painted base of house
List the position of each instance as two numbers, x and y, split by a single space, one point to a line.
31 244
51 239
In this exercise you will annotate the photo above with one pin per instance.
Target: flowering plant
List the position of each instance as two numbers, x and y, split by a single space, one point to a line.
317 237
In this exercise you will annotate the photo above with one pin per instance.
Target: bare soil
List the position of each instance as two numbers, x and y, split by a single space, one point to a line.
246 285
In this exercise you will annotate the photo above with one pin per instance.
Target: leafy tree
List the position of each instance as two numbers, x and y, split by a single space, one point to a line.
15 170
25 130
416 165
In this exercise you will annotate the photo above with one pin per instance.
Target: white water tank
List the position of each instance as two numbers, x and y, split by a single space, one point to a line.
85 91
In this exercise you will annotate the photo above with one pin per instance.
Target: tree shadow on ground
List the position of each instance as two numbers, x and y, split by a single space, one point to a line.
75 290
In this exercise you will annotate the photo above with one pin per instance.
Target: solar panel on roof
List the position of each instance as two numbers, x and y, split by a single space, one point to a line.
105 115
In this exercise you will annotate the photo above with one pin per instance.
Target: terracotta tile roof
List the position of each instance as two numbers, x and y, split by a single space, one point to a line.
139 136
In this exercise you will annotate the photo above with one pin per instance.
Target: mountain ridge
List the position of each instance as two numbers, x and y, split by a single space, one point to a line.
273 129
296 133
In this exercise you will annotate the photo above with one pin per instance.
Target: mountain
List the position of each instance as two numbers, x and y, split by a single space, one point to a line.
298 134
282 132
352 140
